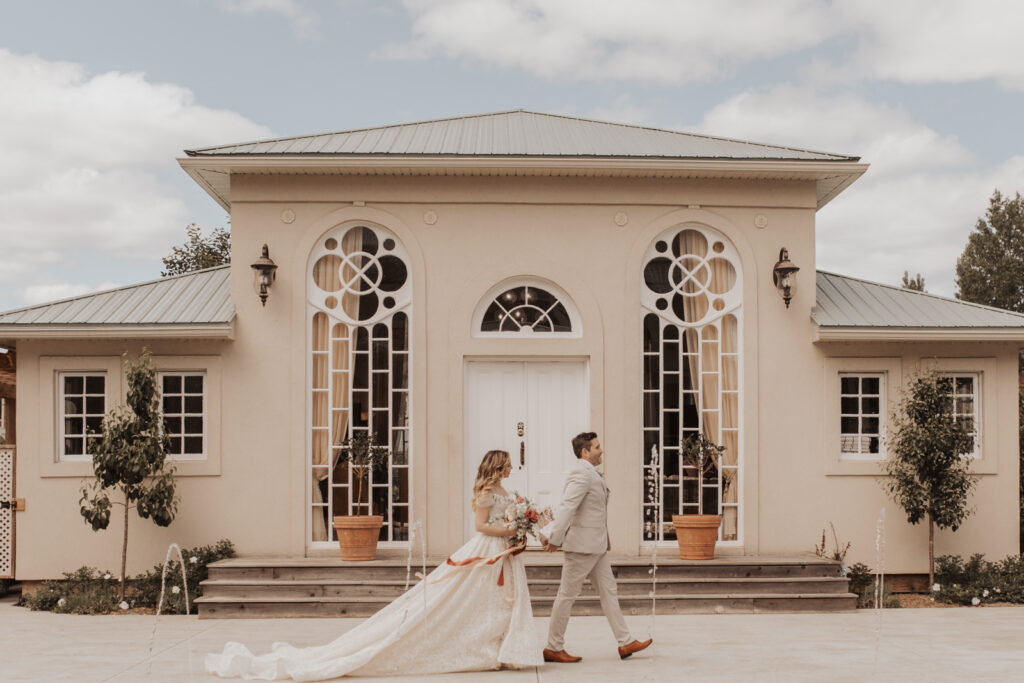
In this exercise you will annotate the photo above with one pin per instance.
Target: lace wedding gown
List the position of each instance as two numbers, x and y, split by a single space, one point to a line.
470 614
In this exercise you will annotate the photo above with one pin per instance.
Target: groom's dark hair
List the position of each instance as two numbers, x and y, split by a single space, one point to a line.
581 441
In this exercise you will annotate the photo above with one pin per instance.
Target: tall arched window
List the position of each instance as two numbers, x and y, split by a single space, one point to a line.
359 300
692 330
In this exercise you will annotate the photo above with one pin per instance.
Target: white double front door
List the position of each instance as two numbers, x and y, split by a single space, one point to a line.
531 409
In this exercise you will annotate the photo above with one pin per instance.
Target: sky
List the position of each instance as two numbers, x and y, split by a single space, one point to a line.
100 98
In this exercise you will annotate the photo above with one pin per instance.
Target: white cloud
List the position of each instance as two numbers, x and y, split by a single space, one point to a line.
914 207
86 160
661 41
303 20
886 136
687 41
937 41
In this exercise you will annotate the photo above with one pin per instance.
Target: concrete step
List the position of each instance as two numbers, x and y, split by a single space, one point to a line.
669 603
391 571
267 587
281 588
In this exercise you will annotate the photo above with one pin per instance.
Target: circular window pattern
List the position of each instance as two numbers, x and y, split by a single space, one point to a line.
361 275
690 274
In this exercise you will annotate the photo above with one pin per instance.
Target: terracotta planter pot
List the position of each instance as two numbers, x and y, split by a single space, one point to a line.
696 535
357 536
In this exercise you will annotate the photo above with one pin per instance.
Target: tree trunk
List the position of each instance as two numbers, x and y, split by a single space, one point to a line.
931 552
124 549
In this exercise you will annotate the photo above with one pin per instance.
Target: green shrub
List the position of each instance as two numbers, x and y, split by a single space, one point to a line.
83 591
978 581
146 587
862 582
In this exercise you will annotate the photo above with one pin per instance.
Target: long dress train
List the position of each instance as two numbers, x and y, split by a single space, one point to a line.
468 615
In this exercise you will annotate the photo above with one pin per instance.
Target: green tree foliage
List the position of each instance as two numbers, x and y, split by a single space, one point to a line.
130 460
915 283
199 252
990 270
928 472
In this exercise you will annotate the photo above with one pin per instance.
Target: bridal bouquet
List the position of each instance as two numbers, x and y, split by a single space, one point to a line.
525 518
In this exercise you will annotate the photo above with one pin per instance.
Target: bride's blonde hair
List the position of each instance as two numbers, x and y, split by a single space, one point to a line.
488 475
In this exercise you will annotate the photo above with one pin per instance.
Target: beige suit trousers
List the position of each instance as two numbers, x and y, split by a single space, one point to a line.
575 568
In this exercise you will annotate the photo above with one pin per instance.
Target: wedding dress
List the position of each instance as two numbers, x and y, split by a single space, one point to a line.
472 613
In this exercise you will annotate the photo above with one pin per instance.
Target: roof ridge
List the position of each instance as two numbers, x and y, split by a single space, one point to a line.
122 288
904 290
845 157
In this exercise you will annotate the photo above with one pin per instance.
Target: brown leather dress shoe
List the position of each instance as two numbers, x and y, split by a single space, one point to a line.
629 648
560 656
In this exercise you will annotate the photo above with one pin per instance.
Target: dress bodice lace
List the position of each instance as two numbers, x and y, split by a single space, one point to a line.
498 504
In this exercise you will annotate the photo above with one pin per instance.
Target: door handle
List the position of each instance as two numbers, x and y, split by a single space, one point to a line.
522 454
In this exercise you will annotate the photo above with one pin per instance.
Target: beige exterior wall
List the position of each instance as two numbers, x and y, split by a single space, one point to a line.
488 230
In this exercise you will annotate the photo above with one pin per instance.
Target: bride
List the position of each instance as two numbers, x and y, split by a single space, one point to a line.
472 613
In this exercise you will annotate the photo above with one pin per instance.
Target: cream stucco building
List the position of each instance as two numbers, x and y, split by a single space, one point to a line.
506 281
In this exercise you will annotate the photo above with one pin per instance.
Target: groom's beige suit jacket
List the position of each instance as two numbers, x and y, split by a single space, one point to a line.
581 520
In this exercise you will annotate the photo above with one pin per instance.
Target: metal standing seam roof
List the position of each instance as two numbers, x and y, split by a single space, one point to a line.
520 133
198 298
849 302
519 143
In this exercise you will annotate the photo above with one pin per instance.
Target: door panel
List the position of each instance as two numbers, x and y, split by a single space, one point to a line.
557 411
550 399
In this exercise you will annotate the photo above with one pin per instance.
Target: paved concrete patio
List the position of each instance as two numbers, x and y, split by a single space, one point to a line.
963 644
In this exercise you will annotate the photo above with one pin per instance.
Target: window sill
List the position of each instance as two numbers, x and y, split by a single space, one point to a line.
876 468
182 468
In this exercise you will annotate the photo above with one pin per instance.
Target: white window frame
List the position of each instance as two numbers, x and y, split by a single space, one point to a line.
976 377
190 457
882 403
85 456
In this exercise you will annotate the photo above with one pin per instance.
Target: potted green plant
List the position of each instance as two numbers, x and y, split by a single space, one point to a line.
357 534
697 534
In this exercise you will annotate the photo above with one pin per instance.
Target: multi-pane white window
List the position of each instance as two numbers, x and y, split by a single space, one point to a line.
81 405
861 399
183 402
965 392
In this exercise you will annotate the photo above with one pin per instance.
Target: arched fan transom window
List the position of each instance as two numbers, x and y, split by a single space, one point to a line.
524 308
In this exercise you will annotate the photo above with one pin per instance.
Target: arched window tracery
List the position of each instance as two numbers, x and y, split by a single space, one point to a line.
359 301
692 329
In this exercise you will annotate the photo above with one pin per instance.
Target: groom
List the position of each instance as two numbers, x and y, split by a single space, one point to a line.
581 526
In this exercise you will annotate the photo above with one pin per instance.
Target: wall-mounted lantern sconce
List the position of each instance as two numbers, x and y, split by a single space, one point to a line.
265 271
784 276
